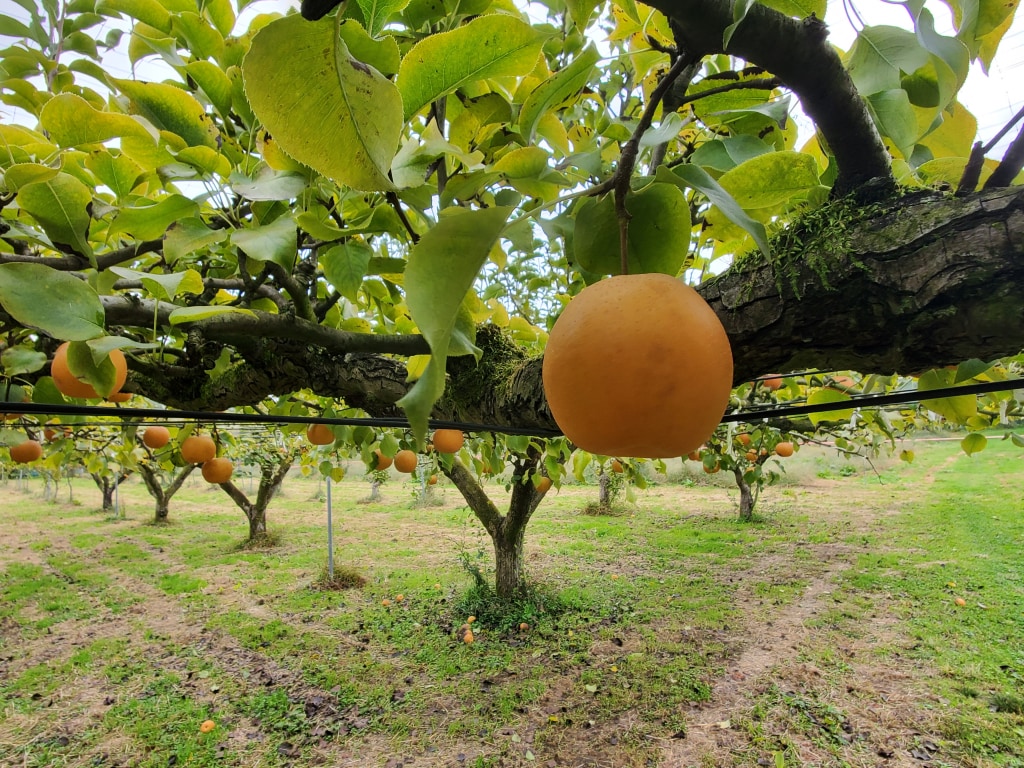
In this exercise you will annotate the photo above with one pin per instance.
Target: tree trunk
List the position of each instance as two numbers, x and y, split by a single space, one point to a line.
506 531
257 523
162 509
162 496
271 478
746 496
108 487
509 575
107 490
604 494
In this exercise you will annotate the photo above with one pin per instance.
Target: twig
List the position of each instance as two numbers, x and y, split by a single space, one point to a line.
1010 166
627 161
394 202
1003 131
972 171
760 84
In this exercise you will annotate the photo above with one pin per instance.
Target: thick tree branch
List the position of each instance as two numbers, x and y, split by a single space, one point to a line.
800 55
130 310
475 496
72 263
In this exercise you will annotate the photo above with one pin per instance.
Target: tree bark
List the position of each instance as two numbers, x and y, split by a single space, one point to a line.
162 496
604 495
506 531
107 486
271 477
797 51
746 496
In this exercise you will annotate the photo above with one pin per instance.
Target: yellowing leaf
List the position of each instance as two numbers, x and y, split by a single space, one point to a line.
170 109
973 443
958 408
490 46
72 121
554 91
325 108
829 396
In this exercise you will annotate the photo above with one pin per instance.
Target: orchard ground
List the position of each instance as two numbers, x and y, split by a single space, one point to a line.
855 623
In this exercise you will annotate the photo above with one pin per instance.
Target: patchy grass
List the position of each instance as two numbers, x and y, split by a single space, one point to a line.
826 632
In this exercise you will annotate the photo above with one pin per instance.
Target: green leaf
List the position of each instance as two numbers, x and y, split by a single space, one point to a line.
828 396
61 207
771 179
1017 440
164 287
726 154
95 369
22 174
319 99
581 11
957 409
383 55
895 118
490 46
198 36
45 391
187 236
184 315
346 265
147 11
150 222
55 302
659 231
664 132
21 359
699 179
171 109
973 443
880 54
377 12
268 185
213 82
739 13
115 169
274 242
556 90
441 270
970 369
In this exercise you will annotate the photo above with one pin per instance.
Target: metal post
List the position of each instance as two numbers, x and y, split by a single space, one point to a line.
330 535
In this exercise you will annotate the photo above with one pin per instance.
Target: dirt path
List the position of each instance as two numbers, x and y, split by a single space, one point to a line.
775 680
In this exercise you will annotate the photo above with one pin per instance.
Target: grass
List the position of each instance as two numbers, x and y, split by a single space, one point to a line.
121 637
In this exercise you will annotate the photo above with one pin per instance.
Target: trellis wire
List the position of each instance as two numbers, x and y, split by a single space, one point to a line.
164 415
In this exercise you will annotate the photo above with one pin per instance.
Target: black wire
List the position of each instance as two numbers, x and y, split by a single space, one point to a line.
873 401
163 415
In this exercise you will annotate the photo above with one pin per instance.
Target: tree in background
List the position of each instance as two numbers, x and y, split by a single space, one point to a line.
204 223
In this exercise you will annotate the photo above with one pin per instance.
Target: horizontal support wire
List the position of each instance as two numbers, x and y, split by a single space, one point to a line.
164 415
